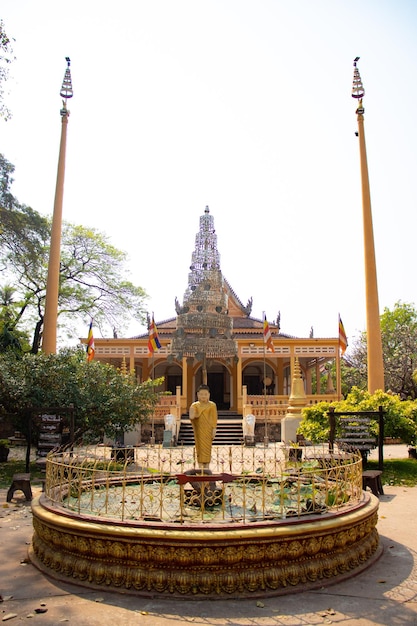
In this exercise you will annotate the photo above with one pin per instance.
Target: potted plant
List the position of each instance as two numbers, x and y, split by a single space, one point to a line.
295 452
4 450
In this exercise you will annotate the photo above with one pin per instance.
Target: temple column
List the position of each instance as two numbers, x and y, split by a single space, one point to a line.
308 381
280 377
189 377
237 385
146 367
318 379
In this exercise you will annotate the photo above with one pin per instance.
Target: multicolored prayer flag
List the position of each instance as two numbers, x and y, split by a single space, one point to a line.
90 343
343 343
268 336
153 341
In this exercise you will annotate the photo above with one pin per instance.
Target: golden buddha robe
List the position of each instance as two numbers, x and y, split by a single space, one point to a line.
204 425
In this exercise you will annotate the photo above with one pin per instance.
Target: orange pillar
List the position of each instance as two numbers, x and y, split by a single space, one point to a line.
52 285
236 390
373 322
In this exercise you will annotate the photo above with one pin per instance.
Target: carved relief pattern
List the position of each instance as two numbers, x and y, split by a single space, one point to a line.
185 567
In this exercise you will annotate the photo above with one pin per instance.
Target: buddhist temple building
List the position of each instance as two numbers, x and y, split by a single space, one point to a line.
213 338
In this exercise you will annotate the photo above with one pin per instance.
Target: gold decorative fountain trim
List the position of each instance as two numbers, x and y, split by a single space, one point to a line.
202 556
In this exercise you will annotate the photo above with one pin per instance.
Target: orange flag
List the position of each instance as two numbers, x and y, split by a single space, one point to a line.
268 336
90 343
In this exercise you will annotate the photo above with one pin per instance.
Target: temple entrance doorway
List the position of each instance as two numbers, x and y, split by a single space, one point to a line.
216 383
218 380
174 381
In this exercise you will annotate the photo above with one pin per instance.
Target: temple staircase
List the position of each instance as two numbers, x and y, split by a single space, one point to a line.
228 433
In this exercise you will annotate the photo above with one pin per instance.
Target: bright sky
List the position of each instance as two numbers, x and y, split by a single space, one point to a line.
241 105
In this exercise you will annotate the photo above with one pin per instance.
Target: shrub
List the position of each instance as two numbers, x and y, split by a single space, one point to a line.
400 416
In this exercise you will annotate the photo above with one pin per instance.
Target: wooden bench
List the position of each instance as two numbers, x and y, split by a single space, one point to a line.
20 482
372 479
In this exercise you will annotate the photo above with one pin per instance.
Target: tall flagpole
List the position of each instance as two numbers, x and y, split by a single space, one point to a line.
266 439
153 344
153 391
52 285
373 321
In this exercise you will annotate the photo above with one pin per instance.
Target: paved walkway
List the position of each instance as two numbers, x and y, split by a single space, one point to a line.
383 595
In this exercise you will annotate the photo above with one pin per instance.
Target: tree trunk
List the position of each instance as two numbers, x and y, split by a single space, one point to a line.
37 337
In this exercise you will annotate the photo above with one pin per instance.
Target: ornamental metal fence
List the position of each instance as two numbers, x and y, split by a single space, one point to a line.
244 484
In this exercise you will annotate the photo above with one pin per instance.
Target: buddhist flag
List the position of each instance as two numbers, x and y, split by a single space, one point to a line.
268 336
153 341
343 343
90 343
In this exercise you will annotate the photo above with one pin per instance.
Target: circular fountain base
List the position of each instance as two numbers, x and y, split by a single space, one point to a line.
222 560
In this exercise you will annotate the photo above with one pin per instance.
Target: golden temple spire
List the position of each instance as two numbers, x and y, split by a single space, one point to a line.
204 327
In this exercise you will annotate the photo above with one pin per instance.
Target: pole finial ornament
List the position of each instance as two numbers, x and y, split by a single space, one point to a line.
66 89
358 90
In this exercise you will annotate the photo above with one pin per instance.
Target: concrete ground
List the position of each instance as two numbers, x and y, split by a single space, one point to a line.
385 594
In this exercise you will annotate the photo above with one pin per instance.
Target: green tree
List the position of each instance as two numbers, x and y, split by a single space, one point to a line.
93 281
399 346
10 337
6 57
7 199
106 401
399 342
354 367
24 237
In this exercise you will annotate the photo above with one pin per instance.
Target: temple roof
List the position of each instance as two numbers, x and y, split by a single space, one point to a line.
236 306
243 326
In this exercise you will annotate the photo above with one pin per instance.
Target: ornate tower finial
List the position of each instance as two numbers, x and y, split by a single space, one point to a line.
66 89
